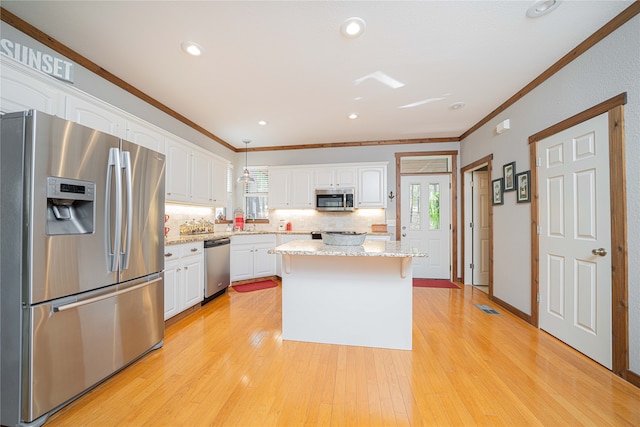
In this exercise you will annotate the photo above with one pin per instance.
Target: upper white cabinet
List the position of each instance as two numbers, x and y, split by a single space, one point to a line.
144 135
178 171
336 177
279 188
95 115
372 186
201 178
294 186
193 176
22 90
219 188
291 188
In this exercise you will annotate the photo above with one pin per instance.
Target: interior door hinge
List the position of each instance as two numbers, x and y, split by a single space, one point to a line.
538 161
471 266
470 225
449 226
539 230
449 185
538 297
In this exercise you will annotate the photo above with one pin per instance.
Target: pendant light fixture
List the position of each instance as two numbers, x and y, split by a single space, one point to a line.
246 178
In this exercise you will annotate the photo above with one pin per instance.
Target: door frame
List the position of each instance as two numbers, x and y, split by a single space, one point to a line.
485 161
454 200
619 256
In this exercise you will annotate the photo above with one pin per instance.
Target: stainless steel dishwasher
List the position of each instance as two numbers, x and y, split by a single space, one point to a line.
217 268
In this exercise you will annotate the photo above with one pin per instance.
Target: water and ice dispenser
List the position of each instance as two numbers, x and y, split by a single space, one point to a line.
70 206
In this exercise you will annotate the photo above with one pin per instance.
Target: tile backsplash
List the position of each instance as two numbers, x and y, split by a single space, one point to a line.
301 219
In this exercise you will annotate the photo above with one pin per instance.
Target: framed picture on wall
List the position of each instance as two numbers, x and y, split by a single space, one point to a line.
498 191
509 174
523 186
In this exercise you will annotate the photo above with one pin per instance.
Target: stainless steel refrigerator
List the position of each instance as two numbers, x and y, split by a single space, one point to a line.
81 245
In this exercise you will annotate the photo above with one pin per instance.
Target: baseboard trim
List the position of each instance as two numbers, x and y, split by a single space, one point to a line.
516 312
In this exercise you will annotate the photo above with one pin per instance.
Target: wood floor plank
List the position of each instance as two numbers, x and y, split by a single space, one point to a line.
226 364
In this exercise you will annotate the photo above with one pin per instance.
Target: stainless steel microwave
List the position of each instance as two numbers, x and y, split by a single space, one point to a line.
335 199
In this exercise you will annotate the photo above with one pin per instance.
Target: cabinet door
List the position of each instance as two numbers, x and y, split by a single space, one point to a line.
279 189
302 190
241 262
19 92
201 178
144 136
178 171
372 187
193 283
345 177
264 264
324 177
95 116
219 190
171 289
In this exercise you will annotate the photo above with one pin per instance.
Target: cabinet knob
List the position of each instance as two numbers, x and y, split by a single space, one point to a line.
168 194
194 249
168 254
186 268
178 269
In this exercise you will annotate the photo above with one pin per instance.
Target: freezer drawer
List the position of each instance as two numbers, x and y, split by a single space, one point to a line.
75 344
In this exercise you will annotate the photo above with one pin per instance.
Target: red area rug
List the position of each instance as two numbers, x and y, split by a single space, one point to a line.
255 286
434 283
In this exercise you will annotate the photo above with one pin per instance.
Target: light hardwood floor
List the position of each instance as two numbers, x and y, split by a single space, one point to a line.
226 364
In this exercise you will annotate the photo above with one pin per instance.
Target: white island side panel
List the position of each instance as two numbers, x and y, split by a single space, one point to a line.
360 301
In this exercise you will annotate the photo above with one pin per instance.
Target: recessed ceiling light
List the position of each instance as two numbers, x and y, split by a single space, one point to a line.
542 7
456 105
353 116
192 48
353 27
263 122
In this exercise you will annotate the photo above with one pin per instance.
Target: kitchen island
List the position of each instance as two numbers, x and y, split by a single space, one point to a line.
350 295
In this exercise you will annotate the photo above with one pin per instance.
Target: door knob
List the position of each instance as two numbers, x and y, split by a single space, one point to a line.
404 235
599 251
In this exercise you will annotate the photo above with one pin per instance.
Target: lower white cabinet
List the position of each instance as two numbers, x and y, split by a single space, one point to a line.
183 277
249 257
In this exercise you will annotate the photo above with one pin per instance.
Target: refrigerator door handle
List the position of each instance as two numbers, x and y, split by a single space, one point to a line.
126 253
113 165
76 304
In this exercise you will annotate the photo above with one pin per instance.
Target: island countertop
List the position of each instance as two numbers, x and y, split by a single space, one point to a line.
370 248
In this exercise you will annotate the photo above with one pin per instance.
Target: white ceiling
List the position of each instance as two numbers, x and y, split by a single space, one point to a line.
287 63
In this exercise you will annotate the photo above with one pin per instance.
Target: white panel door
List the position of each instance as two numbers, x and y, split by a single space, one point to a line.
481 228
575 269
426 223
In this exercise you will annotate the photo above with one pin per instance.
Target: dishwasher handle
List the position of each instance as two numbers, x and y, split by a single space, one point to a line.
217 242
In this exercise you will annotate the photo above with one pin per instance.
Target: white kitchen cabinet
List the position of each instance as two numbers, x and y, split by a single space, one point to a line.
372 187
183 277
201 178
249 257
178 170
336 177
24 89
219 186
143 134
193 176
96 115
291 188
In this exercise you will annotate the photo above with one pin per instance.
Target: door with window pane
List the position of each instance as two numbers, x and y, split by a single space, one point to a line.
425 223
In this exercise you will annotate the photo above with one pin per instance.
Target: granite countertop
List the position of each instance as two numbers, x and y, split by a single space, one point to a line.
190 238
378 248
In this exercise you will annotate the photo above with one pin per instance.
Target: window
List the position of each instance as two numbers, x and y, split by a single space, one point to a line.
256 195
425 164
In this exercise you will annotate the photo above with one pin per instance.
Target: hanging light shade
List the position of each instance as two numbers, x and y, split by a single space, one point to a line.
246 177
